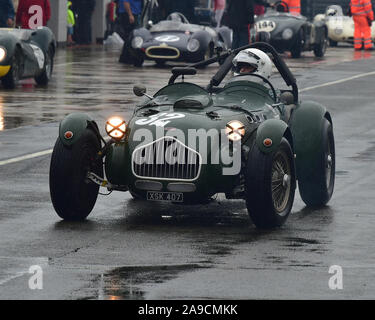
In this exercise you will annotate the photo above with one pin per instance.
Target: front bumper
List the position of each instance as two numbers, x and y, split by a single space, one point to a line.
169 53
4 71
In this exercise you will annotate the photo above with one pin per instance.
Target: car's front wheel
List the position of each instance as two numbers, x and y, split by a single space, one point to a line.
321 48
297 48
46 74
317 188
270 184
72 195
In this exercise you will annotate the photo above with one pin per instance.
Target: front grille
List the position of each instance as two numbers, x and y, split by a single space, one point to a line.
166 159
163 52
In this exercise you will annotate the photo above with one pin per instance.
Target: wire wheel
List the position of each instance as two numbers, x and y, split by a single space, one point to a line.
281 182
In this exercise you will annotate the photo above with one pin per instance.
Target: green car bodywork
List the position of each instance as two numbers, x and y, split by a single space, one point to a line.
183 107
27 52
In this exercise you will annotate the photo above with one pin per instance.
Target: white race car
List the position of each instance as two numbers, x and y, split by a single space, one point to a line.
340 27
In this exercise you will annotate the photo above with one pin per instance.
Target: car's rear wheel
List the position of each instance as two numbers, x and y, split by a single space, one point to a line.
72 195
270 185
12 78
317 188
46 74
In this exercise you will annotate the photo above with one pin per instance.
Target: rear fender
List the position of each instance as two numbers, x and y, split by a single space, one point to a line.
76 123
275 130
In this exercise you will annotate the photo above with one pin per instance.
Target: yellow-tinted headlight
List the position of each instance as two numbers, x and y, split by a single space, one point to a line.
115 128
235 130
3 54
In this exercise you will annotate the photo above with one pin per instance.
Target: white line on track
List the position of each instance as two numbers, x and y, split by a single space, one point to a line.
327 84
26 157
331 83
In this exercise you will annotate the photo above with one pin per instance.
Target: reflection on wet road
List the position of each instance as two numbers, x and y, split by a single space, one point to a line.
130 250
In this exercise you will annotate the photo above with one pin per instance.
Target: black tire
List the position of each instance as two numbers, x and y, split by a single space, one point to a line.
317 189
46 74
296 50
138 61
332 43
270 190
12 78
321 48
73 197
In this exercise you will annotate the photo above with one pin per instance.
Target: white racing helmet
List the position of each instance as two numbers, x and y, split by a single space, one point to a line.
256 58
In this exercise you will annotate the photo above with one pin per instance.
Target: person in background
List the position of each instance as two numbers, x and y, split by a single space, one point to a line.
26 19
129 15
110 17
6 13
260 7
294 6
240 20
84 10
361 11
70 25
219 7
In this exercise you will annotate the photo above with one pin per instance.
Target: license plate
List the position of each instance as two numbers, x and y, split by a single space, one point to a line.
165 196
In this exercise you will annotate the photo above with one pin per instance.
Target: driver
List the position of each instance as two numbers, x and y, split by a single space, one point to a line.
249 62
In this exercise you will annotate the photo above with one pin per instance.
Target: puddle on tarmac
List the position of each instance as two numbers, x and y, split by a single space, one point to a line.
126 283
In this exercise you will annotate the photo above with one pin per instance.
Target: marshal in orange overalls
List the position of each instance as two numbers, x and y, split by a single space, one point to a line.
363 15
294 6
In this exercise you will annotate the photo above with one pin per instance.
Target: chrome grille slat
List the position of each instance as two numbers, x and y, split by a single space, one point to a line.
158 157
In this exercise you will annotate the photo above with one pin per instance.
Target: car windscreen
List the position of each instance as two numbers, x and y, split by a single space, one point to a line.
163 26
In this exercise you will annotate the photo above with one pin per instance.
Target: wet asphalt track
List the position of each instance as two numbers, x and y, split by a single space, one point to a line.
129 250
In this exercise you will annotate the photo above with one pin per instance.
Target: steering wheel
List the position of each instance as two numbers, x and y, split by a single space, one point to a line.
265 80
281 5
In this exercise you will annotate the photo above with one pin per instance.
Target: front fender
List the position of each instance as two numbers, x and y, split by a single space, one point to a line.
275 130
321 31
77 123
204 39
9 43
306 126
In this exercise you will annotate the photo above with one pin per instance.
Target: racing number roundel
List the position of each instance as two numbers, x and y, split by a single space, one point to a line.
265 26
167 38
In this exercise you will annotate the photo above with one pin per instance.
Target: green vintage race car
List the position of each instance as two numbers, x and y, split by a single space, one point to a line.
26 54
186 143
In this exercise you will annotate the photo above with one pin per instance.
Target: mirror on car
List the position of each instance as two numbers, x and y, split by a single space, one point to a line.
139 90
287 98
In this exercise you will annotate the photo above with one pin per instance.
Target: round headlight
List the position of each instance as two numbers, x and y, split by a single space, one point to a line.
137 42
3 54
287 34
115 128
235 130
193 45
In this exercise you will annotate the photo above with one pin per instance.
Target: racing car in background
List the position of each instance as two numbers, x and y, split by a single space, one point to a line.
265 139
175 39
26 54
294 33
340 27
